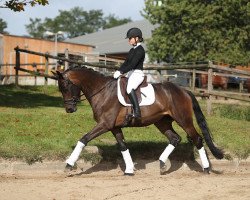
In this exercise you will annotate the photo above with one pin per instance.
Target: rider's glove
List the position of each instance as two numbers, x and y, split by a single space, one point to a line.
117 74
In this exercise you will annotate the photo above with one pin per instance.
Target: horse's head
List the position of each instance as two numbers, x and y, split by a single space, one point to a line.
70 91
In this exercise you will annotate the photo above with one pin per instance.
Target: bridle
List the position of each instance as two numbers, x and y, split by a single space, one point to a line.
74 100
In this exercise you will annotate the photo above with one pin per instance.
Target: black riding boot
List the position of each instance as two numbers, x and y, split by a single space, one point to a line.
133 98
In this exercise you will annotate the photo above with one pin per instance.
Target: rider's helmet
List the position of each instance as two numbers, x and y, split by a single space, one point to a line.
134 32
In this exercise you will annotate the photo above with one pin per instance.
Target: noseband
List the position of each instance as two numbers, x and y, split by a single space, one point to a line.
74 100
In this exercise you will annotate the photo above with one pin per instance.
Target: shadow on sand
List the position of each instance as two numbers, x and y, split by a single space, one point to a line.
184 153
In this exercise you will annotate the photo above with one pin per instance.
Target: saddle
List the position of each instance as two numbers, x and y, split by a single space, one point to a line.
123 87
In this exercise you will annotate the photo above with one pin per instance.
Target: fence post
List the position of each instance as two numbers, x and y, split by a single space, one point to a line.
241 88
66 64
17 64
193 79
46 69
209 88
35 69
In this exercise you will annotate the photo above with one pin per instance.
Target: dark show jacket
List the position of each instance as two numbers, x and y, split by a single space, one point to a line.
134 60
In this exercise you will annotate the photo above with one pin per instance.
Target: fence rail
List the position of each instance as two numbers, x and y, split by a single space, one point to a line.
209 69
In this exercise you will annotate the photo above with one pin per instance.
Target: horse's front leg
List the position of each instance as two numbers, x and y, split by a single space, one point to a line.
99 129
129 171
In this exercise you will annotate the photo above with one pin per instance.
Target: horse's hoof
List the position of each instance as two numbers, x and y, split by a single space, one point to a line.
68 168
163 172
129 174
206 171
163 168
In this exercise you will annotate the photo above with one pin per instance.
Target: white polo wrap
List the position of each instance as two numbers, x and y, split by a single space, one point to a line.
128 162
165 154
203 156
75 154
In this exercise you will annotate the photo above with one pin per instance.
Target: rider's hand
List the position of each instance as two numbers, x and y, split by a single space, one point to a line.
117 74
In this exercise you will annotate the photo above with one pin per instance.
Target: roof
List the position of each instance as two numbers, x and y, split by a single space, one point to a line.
32 38
112 40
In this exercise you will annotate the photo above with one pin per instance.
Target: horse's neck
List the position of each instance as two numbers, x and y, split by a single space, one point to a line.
92 82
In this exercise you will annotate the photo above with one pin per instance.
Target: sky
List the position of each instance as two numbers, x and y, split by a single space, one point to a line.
16 21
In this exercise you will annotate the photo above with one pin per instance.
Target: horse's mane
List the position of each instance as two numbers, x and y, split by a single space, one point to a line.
82 67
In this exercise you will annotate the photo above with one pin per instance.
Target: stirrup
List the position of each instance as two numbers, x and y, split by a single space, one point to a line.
136 118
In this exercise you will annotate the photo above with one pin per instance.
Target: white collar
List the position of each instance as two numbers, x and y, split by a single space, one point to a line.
138 44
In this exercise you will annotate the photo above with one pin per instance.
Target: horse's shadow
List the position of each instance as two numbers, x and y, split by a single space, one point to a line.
184 154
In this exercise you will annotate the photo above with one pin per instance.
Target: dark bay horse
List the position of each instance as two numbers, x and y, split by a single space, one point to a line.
172 104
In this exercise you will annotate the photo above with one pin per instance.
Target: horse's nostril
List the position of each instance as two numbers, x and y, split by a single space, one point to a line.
70 110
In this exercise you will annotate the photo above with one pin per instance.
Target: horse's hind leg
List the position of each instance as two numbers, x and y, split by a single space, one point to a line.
125 152
165 126
197 141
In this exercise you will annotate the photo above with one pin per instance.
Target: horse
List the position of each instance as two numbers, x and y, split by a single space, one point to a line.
217 81
172 103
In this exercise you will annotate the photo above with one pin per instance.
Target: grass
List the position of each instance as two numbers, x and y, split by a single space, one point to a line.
34 126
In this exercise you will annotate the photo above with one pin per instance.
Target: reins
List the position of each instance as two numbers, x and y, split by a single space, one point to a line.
95 93
74 100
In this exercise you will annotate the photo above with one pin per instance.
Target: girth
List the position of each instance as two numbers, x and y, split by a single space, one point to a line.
123 87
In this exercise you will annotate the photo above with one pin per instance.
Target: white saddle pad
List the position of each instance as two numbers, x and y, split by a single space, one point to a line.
147 95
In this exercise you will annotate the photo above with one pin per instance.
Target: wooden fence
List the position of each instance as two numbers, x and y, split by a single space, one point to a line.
194 70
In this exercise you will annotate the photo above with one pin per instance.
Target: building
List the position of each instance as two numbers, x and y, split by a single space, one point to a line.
111 42
8 55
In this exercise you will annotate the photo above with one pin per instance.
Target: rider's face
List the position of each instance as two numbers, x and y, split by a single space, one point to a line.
133 41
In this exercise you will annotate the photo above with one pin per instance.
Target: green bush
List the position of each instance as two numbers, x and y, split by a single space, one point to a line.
234 112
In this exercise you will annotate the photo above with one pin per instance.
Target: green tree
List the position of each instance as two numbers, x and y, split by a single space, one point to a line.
73 23
194 30
18 5
3 25
112 21
36 28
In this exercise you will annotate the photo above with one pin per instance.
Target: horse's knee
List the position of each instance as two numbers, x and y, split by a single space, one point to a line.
175 139
85 139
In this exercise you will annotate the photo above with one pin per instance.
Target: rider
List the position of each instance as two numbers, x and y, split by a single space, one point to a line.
134 66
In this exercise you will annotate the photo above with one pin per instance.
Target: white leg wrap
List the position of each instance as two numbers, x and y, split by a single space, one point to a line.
203 156
164 156
75 154
128 162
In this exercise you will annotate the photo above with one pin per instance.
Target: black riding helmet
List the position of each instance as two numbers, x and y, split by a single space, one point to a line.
134 32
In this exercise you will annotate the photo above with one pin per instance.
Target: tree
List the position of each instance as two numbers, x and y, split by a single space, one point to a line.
18 5
73 23
112 21
3 25
36 28
195 30
77 21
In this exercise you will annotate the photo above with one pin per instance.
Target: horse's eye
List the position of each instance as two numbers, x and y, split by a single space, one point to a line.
63 87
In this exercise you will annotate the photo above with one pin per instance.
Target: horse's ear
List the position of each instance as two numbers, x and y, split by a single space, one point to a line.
57 74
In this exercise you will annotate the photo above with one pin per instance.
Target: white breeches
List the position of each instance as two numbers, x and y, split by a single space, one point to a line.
135 78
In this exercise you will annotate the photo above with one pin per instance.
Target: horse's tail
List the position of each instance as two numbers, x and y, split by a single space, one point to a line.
201 120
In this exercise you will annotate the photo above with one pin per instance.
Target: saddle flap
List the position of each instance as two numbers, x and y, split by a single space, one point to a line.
123 87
